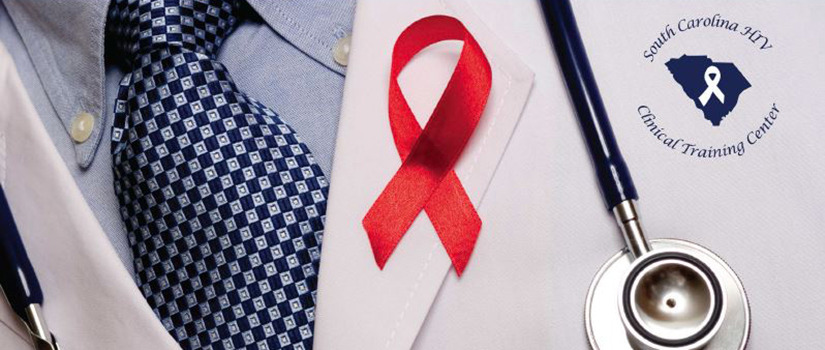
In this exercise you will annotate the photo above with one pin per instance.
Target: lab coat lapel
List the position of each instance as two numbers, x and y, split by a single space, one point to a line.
91 301
361 306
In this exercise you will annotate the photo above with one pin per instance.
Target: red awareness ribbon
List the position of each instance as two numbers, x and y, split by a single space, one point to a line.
426 179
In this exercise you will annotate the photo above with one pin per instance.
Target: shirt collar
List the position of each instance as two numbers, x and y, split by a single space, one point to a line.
66 42
314 27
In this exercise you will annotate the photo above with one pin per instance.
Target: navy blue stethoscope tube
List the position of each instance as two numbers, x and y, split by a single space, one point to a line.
614 177
17 277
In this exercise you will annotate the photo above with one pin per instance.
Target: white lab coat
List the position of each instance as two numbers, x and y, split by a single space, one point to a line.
545 231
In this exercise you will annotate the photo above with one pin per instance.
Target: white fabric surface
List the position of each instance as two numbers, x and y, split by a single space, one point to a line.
90 299
545 230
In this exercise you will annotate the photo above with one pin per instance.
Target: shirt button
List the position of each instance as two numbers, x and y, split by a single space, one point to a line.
82 126
341 50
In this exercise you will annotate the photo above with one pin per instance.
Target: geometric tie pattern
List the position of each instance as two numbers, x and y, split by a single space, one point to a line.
223 203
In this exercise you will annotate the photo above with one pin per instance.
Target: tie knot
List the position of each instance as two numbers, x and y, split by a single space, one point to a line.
139 27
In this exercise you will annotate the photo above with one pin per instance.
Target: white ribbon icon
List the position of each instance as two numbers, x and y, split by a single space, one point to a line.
713 88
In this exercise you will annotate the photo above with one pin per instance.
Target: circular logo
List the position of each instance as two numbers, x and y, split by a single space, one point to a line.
716 102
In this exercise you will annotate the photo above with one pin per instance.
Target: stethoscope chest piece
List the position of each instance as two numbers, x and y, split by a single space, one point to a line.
678 296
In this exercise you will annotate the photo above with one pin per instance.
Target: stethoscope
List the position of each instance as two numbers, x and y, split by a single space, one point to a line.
662 294
19 281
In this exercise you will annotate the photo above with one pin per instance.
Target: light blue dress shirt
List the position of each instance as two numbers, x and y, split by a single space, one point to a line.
283 57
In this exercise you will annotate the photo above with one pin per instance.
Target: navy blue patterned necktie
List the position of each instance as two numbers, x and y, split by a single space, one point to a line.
223 203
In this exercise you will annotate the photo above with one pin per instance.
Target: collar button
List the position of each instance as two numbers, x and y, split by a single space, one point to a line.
82 127
340 53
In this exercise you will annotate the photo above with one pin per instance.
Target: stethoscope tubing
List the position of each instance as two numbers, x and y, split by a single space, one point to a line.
617 187
612 172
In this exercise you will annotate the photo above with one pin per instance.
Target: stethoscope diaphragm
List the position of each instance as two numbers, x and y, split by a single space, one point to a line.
681 311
